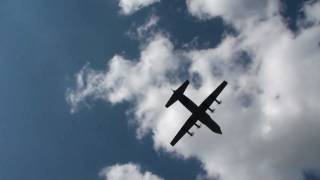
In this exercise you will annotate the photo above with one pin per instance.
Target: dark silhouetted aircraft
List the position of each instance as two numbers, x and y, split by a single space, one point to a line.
198 112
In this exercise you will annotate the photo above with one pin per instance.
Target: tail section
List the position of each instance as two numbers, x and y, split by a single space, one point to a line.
177 93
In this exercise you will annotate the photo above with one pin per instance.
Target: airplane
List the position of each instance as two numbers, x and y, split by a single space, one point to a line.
198 112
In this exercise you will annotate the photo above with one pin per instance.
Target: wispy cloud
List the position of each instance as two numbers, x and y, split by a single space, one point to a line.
148 29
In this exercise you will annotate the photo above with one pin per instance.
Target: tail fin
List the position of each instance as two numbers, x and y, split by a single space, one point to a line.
177 93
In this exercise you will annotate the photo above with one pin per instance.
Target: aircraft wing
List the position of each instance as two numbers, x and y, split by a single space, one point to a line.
213 96
184 129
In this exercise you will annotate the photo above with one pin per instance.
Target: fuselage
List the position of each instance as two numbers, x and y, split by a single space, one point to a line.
192 107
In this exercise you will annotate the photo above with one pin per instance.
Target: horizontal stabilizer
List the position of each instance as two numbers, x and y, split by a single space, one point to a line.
177 93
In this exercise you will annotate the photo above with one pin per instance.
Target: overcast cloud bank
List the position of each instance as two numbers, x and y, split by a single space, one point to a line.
270 111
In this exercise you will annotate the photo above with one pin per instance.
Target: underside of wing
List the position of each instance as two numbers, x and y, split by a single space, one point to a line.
184 129
213 96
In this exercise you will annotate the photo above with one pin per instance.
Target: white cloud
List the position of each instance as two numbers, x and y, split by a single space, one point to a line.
143 30
312 11
131 6
232 11
270 112
127 171
148 29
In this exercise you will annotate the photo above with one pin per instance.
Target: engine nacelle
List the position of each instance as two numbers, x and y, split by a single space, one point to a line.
219 102
197 125
190 133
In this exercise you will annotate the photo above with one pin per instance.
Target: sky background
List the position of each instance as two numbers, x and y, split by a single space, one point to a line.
44 44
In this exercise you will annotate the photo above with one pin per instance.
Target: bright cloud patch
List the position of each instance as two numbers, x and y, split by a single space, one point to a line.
270 111
130 6
127 172
234 12
313 12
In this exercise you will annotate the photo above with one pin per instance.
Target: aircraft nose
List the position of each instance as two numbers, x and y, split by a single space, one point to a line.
219 131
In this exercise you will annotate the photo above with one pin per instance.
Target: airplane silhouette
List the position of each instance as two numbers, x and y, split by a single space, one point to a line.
198 112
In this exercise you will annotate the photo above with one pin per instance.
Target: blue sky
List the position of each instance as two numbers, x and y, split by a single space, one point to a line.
45 44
